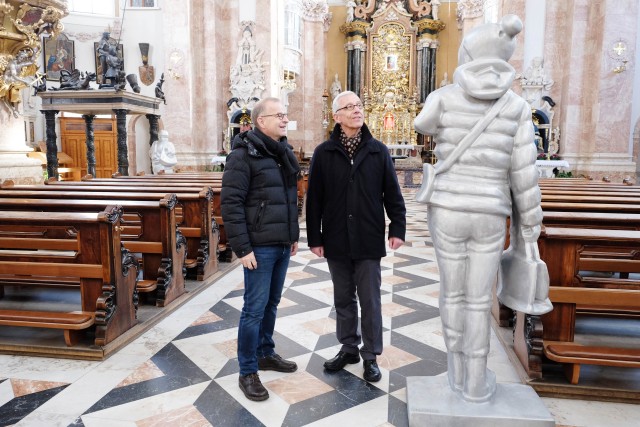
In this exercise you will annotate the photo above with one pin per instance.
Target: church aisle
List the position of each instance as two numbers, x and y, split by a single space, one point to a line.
183 371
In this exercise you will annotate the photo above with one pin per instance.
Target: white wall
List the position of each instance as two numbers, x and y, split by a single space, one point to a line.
138 26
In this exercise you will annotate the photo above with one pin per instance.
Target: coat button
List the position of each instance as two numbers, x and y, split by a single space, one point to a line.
350 216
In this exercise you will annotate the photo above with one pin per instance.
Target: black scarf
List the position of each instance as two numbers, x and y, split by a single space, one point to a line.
281 150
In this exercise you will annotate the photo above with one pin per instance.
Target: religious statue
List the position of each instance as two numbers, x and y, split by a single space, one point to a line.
103 52
535 75
248 53
163 154
13 79
351 6
246 76
75 80
159 91
479 181
336 87
435 7
445 80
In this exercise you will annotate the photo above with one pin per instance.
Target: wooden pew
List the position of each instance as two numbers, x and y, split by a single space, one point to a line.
195 221
552 335
84 247
148 228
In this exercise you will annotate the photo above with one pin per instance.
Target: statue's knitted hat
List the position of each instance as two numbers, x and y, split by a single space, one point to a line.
490 40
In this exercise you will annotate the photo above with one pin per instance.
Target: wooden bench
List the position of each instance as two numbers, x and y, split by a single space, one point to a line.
174 183
148 228
87 249
193 215
561 249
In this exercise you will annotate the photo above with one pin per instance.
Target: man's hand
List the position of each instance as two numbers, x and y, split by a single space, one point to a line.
294 248
318 250
530 234
395 243
249 261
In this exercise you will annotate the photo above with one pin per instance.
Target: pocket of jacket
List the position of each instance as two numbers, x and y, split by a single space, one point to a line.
262 207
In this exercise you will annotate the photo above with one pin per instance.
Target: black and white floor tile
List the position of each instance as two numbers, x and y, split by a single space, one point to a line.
183 371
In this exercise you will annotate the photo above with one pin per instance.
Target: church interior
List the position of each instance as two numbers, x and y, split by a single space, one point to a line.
116 117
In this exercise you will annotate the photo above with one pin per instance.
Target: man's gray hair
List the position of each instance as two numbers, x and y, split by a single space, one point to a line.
336 105
258 109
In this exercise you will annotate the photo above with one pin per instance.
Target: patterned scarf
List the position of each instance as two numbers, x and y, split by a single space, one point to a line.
350 144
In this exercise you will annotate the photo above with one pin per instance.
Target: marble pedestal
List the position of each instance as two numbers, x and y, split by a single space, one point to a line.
14 163
431 402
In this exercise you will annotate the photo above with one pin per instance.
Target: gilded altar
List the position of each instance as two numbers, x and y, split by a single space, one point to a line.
390 92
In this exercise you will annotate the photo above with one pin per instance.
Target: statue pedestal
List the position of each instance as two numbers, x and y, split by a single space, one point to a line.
431 402
14 163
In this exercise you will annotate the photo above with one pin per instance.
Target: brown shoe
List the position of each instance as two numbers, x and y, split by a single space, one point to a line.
276 363
252 387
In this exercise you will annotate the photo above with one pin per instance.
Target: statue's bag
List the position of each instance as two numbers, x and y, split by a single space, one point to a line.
523 278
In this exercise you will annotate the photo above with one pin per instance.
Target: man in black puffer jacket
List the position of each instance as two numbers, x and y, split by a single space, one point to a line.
260 213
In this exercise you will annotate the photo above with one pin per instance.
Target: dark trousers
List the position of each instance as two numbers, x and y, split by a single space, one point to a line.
361 278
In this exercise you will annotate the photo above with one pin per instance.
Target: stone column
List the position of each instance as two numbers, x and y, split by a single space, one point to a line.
52 148
427 45
356 46
90 142
153 127
123 154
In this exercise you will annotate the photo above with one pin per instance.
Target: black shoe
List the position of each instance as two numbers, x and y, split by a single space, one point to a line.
340 361
276 363
252 387
371 371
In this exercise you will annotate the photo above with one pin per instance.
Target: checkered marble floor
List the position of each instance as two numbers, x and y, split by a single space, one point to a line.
183 371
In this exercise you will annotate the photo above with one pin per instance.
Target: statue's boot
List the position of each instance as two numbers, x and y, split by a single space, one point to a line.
455 370
480 382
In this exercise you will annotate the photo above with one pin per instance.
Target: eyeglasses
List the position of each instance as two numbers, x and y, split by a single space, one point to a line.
279 116
350 107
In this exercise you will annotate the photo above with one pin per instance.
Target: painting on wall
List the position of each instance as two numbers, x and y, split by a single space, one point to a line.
119 53
59 54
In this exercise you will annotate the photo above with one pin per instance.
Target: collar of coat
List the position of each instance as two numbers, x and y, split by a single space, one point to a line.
254 141
367 138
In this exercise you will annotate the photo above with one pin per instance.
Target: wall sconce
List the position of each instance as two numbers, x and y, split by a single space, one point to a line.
176 59
325 109
618 52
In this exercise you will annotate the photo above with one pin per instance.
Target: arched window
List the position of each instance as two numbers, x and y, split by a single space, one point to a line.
292 27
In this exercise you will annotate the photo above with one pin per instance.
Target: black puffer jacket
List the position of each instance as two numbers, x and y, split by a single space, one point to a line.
259 201
347 200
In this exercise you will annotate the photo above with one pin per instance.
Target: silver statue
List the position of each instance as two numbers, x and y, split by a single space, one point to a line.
485 172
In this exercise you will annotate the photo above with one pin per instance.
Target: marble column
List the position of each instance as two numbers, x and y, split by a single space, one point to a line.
123 152
90 143
355 64
52 148
153 127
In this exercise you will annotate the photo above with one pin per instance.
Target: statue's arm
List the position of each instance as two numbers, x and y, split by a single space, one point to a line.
523 173
428 121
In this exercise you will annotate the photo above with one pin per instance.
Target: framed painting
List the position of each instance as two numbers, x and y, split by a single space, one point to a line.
119 53
391 63
59 54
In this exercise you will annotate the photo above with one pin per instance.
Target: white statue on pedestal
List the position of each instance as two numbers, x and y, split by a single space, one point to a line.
163 154
478 182
336 87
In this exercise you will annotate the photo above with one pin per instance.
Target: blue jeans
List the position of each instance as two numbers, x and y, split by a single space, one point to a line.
262 292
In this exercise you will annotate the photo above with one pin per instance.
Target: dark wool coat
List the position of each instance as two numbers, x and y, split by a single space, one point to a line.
346 201
258 208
